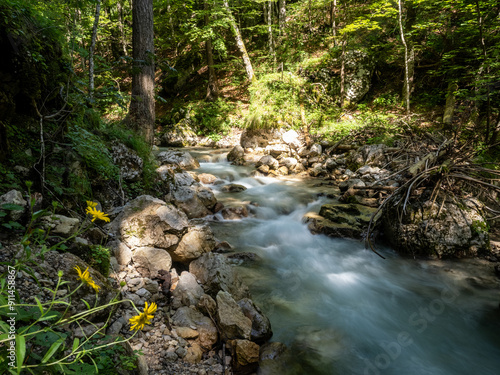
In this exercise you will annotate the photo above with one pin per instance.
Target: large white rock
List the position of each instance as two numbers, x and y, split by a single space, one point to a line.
149 260
14 197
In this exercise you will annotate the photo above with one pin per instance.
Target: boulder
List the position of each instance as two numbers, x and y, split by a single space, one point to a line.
359 68
234 213
121 251
346 185
276 150
232 322
253 138
196 242
261 327
189 317
60 224
182 159
236 155
206 178
215 274
246 356
233 188
340 220
196 200
372 155
149 222
149 260
187 292
128 161
194 353
438 230
315 150
179 135
66 262
316 170
290 163
292 139
14 197
268 160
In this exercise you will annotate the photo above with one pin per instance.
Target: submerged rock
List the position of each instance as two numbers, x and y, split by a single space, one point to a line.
340 220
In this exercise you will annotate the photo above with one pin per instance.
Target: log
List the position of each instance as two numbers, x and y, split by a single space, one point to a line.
427 160
377 188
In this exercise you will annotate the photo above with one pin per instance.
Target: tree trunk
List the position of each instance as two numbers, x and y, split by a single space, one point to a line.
239 42
282 17
342 72
269 20
141 114
334 21
450 104
485 56
212 87
171 23
406 93
92 48
123 38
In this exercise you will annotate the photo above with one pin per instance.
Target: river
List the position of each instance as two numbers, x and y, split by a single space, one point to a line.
339 307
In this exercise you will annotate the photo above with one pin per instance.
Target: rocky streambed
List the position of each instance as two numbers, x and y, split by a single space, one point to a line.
229 250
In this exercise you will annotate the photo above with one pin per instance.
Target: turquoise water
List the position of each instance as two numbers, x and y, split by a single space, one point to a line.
340 308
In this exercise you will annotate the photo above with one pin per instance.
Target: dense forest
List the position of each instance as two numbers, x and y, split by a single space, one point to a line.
67 67
85 82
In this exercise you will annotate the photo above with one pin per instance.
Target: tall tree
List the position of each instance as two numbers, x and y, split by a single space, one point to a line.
282 17
239 41
406 93
141 114
212 87
268 12
92 49
119 8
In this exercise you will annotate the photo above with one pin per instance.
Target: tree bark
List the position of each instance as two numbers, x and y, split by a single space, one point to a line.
269 20
92 49
485 56
282 16
406 93
334 21
141 114
212 87
239 42
342 72
123 38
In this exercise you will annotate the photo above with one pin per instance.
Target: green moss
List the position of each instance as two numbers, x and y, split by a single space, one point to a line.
479 227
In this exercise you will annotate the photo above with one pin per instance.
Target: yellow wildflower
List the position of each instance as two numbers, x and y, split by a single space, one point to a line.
86 278
140 320
96 214
91 204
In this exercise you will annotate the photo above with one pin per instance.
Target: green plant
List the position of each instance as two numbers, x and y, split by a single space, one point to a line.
93 151
34 335
100 259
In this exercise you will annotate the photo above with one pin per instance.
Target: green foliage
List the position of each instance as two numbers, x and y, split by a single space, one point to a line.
100 259
94 152
42 342
213 117
274 101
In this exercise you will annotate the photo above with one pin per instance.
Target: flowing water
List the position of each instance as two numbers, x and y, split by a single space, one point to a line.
340 308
